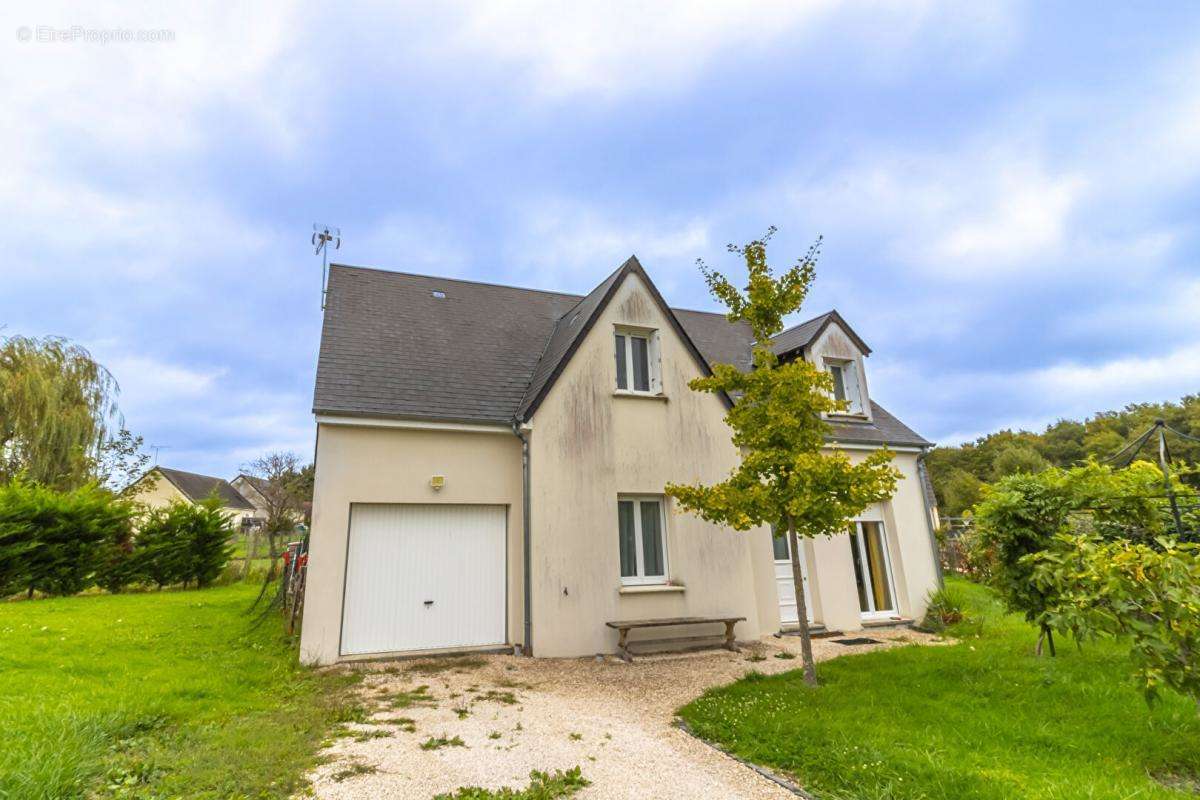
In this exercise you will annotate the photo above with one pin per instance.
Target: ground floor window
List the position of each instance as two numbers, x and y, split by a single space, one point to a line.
872 569
640 531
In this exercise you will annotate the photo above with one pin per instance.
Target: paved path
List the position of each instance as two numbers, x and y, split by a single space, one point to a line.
613 720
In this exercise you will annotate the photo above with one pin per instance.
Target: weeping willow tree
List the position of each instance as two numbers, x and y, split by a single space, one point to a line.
56 406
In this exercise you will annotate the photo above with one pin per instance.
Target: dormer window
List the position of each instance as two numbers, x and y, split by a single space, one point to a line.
637 361
846 385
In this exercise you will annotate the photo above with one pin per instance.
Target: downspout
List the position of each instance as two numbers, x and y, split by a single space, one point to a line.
525 538
923 473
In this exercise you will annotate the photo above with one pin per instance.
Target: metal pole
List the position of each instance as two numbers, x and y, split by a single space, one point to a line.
1164 464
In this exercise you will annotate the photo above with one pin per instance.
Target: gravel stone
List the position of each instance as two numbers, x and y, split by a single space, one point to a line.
611 719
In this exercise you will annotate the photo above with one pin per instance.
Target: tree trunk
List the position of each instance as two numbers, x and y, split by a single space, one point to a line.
1046 635
810 667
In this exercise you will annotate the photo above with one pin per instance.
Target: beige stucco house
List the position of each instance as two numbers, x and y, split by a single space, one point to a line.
161 486
490 468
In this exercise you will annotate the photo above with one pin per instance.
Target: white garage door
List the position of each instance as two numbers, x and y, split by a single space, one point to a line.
420 577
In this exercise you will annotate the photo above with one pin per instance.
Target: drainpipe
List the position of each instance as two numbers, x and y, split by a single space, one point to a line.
525 537
923 474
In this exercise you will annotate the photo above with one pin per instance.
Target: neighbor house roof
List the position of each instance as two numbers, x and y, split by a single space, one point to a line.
440 349
197 487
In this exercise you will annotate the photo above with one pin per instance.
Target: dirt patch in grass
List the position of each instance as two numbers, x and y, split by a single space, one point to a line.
1180 780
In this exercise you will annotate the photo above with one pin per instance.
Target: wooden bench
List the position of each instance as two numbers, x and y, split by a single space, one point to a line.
625 626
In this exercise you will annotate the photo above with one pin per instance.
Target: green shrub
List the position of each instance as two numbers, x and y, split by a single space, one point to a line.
56 542
1146 594
946 609
183 543
1023 514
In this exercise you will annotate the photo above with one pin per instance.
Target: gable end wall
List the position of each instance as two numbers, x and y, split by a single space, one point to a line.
589 446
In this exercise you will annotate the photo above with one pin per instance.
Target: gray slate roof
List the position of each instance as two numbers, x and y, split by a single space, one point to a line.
197 487
802 335
486 353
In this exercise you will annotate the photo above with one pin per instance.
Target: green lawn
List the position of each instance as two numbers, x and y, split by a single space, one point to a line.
156 695
980 719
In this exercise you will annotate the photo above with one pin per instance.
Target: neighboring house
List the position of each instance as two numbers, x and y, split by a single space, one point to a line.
252 489
491 462
161 486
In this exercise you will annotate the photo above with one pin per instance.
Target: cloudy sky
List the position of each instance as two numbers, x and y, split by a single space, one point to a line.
1008 191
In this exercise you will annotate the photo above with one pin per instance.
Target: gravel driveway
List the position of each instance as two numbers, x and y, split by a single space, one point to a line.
513 715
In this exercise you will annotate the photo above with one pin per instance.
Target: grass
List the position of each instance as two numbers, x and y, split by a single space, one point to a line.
163 694
457 663
541 787
352 770
410 698
437 743
980 720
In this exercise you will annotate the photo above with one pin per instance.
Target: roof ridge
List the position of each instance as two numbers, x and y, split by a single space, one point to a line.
187 472
810 319
458 280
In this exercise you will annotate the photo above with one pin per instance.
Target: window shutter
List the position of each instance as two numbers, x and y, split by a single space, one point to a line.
853 392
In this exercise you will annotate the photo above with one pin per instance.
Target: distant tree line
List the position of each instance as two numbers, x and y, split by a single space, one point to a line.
960 473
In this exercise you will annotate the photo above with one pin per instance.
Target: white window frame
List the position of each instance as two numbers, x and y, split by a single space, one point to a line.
641 578
653 361
860 538
849 369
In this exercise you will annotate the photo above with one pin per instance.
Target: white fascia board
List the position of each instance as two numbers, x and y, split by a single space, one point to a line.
411 424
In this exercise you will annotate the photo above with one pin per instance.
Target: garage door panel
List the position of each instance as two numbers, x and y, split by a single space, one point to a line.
422 577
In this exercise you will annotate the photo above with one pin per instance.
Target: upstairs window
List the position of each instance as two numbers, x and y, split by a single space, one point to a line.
846 384
637 362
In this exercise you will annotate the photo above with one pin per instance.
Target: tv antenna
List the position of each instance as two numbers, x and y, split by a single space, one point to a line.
322 236
156 448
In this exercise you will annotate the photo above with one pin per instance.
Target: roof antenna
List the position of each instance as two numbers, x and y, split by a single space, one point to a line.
322 236
156 448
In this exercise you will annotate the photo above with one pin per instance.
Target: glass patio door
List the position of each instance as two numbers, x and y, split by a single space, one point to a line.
872 570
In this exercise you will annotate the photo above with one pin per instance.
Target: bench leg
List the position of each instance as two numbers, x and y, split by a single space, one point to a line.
730 642
623 646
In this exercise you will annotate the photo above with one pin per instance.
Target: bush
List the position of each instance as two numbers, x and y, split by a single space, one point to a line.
54 542
61 543
944 610
1023 514
183 543
1148 593
1020 516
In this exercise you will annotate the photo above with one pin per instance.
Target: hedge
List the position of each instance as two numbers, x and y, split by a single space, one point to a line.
60 543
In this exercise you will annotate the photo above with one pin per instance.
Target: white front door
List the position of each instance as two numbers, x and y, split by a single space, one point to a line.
424 577
785 584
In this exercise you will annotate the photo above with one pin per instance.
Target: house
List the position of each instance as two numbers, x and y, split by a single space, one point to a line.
253 489
490 468
161 486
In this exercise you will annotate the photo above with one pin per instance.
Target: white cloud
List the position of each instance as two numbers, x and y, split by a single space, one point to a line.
1025 216
616 48
147 97
563 239
158 382
610 48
